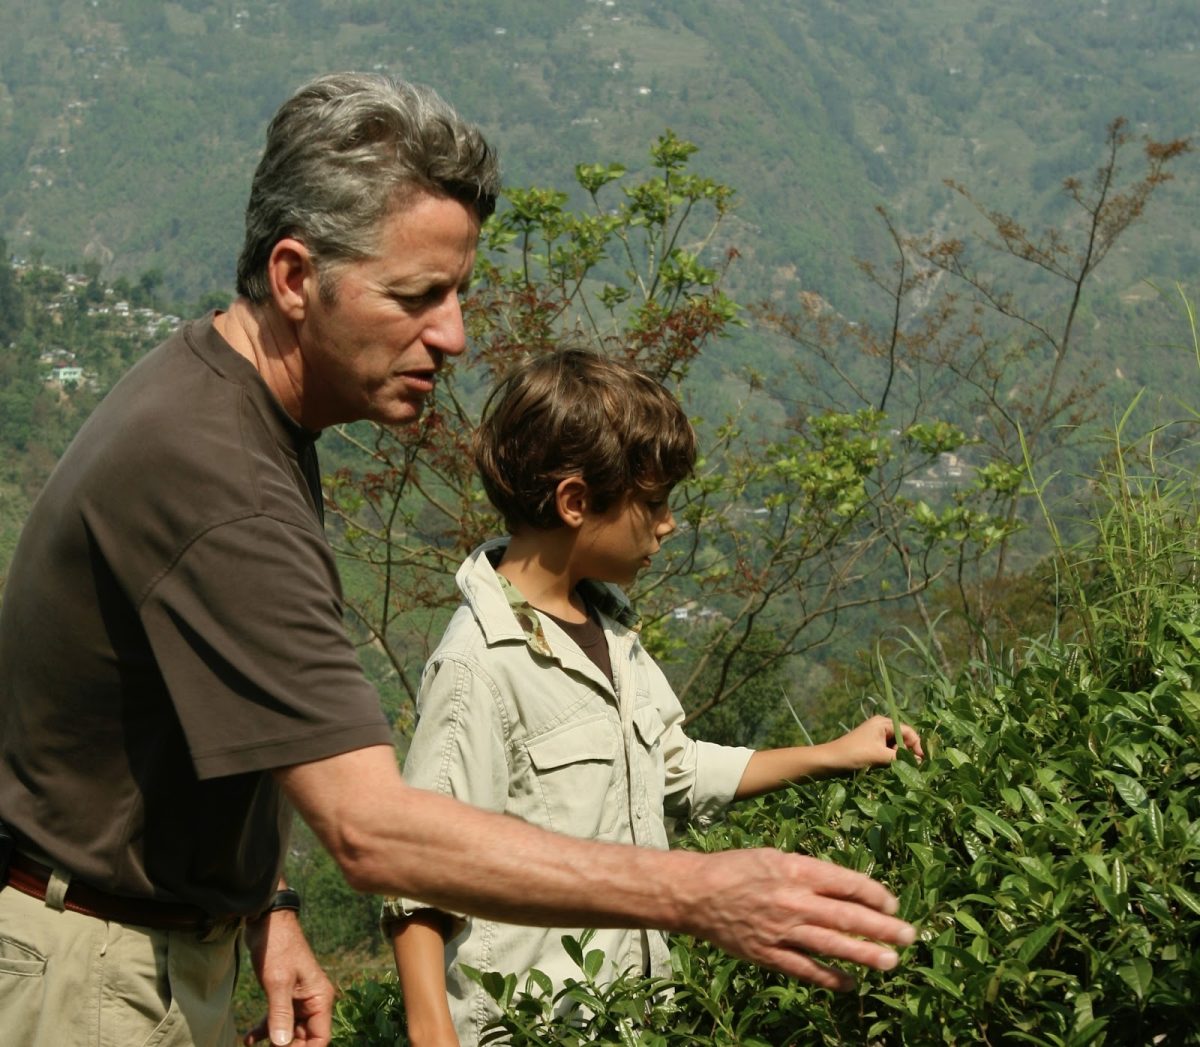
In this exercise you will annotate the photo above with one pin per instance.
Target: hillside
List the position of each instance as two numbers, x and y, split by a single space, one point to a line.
128 131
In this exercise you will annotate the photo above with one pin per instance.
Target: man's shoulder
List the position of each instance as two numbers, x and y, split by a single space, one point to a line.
192 407
175 450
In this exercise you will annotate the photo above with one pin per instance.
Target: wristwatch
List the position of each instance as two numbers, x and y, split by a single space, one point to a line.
285 898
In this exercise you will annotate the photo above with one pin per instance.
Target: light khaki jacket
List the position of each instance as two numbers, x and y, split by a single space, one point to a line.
515 718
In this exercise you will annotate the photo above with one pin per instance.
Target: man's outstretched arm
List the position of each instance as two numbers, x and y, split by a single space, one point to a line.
778 910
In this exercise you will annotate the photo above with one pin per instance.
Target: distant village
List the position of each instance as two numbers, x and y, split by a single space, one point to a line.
62 367
947 471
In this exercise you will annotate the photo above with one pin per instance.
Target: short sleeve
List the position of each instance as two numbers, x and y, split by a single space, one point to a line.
246 628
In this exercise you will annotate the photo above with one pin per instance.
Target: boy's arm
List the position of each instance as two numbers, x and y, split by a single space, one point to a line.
418 942
870 744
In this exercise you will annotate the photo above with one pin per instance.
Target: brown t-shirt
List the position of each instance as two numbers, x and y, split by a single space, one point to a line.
171 631
589 638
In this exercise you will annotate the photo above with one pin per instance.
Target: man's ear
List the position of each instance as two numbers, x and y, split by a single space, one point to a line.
292 277
571 499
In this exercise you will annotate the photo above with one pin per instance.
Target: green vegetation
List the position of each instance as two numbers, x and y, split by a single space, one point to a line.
124 138
67 338
895 477
1048 847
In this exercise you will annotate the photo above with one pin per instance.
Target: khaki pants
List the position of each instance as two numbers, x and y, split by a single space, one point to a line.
68 980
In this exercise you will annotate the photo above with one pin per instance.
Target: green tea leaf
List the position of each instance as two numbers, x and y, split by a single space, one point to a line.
494 985
1035 942
1155 905
1108 898
1192 833
1154 818
1130 789
1039 870
984 817
923 852
969 922
974 844
1190 700
942 982
979 949
1138 975
959 758
721 980
1184 896
1096 864
1128 757
1120 878
1089 1033
909 776
541 981
574 949
835 800
1033 802
1083 1010
1012 797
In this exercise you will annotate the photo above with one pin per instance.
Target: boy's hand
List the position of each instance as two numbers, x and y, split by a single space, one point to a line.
873 744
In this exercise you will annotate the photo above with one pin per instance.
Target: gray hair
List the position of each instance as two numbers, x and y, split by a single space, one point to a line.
345 151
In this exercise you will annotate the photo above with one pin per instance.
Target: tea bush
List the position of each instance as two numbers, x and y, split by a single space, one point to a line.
1048 848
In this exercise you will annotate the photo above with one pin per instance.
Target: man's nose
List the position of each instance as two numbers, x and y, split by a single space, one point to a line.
446 331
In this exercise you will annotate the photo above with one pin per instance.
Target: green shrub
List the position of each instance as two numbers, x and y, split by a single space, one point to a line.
1048 849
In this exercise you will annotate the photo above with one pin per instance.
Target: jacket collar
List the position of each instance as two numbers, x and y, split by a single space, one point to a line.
505 615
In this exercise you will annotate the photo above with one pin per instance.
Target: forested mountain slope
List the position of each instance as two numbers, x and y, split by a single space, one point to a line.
128 130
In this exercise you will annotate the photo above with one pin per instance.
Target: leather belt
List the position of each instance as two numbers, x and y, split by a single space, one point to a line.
30 877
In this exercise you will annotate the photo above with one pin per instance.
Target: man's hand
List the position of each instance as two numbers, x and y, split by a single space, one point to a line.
299 996
777 909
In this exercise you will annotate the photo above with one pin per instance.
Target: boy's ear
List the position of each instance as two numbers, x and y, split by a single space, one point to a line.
571 500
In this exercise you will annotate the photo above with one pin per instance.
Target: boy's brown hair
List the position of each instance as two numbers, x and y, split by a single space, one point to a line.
573 412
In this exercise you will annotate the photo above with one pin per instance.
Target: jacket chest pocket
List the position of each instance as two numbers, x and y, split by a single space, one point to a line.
574 766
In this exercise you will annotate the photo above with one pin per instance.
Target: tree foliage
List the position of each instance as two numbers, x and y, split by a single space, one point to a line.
966 340
780 533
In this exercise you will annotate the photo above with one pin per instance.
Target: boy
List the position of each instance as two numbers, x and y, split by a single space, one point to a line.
541 702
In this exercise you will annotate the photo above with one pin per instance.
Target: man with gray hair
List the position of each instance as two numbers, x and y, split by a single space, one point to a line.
175 676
